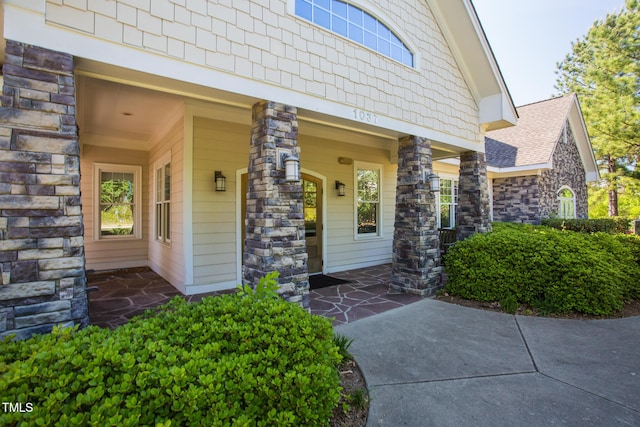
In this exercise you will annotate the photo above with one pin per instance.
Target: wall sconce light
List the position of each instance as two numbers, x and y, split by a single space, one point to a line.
288 161
341 188
220 181
434 182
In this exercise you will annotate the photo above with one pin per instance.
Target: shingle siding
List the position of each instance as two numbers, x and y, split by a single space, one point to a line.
263 42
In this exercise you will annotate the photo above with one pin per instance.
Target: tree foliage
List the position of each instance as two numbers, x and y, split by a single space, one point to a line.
603 68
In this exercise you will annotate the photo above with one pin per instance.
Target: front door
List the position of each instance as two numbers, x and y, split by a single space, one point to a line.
312 202
312 205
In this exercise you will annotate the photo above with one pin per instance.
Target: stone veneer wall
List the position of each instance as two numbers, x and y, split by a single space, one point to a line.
567 170
529 199
41 243
472 214
416 254
275 235
516 199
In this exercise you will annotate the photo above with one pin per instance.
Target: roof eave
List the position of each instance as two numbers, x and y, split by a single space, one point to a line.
461 27
505 172
583 141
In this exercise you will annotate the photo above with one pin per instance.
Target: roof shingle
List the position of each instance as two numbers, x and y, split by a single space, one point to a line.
534 138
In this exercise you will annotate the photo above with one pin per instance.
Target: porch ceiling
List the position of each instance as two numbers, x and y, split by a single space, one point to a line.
122 116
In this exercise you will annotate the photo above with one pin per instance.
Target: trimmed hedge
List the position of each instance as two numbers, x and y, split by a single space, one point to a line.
605 225
229 360
551 270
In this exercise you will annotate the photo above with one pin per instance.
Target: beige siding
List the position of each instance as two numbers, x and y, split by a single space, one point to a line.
111 254
219 146
262 41
168 260
344 251
225 146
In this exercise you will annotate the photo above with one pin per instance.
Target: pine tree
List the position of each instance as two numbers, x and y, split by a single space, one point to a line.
603 68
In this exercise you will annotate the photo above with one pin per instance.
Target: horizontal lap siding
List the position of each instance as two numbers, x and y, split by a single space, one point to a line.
169 260
219 146
110 254
343 250
225 146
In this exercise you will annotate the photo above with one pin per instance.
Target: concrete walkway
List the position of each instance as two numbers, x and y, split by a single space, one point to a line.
432 363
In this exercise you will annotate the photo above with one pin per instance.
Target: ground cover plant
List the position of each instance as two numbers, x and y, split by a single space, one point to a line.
243 359
552 271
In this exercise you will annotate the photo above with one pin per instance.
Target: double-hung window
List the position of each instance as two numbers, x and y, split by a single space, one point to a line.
117 197
448 202
368 212
163 199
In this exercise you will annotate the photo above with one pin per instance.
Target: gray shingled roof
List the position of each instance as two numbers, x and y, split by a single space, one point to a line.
534 138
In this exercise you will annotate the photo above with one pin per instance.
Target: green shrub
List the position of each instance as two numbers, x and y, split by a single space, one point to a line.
631 262
543 267
605 225
229 360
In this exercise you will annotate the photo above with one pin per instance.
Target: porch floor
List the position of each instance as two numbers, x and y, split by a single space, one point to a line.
121 295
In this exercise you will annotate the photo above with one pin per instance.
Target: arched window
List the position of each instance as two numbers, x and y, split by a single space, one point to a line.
566 203
356 24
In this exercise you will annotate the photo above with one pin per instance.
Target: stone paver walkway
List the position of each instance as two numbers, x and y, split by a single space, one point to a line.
366 294
121 295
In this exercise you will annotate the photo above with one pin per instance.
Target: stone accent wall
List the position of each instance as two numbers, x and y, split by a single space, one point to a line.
275 235
41 245
516 199
567 170
416 254
529 199
472 215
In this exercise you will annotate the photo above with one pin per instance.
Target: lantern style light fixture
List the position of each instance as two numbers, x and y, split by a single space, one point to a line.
292 168
290 162
341 188
220 181
434 182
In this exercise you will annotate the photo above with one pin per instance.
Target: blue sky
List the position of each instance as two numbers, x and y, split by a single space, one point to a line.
528 38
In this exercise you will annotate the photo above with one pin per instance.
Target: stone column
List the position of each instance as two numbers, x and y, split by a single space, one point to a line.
275 235
41 244
472 215
416 254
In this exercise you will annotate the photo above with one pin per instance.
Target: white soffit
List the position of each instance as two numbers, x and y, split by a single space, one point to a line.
463 31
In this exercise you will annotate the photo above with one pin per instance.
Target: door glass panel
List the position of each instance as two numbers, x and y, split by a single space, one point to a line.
310 194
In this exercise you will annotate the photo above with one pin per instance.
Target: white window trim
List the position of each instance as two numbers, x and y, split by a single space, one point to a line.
137 206
561 199
379 233
377 13
160 163
452 178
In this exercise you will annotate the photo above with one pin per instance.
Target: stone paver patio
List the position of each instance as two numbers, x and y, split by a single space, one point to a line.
121 295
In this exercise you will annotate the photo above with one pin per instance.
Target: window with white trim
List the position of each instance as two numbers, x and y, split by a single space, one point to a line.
367 206
117 197
162 217
448 201
352 22
566 203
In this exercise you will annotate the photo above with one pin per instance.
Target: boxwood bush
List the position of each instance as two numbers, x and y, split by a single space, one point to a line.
554 271
605 225
231 360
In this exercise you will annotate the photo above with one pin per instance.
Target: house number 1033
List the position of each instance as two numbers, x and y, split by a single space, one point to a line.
365 116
